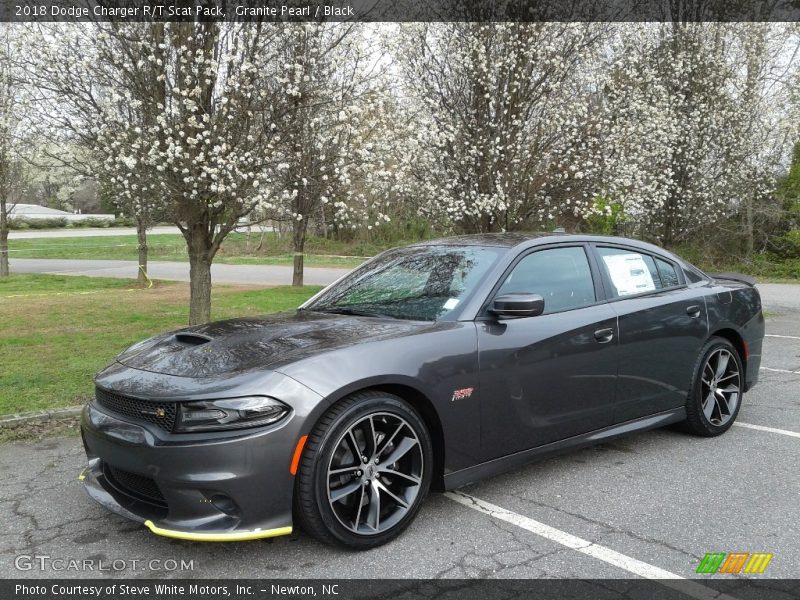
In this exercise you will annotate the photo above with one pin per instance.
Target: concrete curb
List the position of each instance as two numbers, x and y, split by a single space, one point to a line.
35 417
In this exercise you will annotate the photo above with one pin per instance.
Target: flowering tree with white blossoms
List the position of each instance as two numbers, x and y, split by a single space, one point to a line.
82 108
502 114
769 122
15 145
206 123
332 102
183 121
52 183
207 136
120 142
671 128
691 130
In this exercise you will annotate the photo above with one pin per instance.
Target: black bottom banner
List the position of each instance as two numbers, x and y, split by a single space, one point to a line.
402 589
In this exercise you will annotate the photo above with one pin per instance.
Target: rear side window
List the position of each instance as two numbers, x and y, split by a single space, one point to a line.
560 275
693 276
630 272
669 277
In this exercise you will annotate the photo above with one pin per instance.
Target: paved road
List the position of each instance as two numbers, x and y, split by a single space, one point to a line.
28 234
177 271
655 500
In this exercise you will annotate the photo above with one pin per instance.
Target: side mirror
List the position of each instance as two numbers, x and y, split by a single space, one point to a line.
518 305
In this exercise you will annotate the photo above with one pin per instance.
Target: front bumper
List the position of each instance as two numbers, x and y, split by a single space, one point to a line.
218 487
92 477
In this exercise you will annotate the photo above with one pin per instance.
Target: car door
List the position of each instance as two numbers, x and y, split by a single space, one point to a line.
662 326
551 376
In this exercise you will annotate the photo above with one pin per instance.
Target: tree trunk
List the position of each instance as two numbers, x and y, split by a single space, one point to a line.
199 281
4 267
749 229
261 240
322 222
297 274
141 236
299 238
668 229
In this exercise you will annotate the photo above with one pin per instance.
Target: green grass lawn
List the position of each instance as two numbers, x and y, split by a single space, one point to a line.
56 332
237 249
23 285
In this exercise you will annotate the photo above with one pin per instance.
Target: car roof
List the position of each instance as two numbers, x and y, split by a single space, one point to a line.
503 240
525 239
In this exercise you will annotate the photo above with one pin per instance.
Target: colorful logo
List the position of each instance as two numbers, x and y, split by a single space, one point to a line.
159 412
462 394
735 562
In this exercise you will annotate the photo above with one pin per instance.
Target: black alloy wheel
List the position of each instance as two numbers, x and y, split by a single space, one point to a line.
718 386
364 472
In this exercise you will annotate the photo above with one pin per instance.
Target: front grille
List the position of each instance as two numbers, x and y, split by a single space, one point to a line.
161 414
137 486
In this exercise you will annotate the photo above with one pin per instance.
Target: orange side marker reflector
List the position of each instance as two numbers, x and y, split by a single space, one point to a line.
298 451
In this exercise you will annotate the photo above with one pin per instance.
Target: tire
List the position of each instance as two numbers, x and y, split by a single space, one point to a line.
710 413
341 507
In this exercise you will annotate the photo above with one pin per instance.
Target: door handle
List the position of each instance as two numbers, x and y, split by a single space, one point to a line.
693 311
604 335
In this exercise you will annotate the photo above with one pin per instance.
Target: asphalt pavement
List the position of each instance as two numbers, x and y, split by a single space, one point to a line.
29 234
651 504
176 271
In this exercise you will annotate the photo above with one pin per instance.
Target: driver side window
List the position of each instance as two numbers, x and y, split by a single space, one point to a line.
559 275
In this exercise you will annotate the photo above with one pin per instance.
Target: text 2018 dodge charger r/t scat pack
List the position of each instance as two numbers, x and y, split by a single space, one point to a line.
429 366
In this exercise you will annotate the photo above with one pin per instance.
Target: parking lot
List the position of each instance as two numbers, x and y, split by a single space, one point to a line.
651 504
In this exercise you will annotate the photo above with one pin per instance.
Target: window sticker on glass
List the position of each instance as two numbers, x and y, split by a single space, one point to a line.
451 304
629 274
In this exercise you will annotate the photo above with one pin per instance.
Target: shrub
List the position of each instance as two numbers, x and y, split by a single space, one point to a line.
94 222
49 223
18 224
788 245
607 217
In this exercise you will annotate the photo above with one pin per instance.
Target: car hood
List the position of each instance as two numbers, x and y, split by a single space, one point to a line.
237 345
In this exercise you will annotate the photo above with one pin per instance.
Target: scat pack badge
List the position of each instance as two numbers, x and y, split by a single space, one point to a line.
462 394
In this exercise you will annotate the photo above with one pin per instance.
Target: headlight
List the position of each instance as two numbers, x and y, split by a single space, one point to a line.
231 413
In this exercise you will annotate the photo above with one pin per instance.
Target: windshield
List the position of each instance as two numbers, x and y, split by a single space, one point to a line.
420 283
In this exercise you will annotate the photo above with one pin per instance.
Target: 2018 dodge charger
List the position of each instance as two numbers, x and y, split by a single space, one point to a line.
432 365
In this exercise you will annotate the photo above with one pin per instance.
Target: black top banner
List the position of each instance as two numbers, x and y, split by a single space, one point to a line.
278 11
